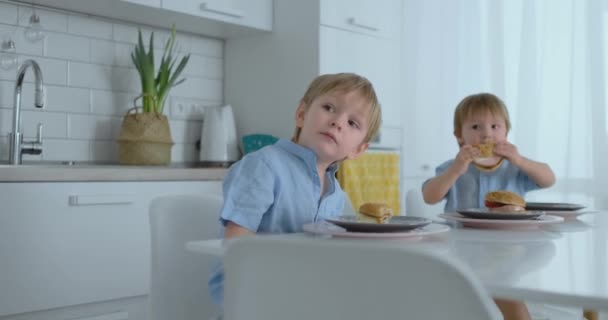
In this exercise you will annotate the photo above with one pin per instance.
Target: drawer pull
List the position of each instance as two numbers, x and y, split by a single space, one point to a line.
227 12
103 199
353 22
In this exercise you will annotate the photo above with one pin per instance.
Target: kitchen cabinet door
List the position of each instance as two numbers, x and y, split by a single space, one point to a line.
252 13
376 18
375 58
64 244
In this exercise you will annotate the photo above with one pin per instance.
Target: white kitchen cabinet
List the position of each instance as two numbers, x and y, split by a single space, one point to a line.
251 13
83 247
266 75
215 18
376 18
149 3
373 57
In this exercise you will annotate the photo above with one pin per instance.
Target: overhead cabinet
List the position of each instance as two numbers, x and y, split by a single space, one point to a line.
216 18
268 74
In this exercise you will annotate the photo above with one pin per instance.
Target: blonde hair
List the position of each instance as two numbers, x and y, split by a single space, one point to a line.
345 82
476 104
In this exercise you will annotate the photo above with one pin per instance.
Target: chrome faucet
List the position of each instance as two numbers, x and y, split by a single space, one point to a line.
17 146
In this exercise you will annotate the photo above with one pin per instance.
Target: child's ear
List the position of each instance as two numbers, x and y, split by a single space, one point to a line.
359 151
300 114
459 139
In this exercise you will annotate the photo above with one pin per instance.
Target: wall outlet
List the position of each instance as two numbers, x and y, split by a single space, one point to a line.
187 109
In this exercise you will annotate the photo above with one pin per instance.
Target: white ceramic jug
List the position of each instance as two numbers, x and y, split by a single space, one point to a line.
218 137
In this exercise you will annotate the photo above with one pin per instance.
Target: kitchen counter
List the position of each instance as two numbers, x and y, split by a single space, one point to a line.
62 172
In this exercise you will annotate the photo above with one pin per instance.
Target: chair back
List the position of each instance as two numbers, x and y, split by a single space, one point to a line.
178 283
297 279
415 205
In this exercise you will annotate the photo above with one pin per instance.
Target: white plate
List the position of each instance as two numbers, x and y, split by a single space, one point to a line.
569 214
326 228
501 224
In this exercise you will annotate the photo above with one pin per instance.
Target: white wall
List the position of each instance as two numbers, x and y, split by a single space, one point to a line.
91 82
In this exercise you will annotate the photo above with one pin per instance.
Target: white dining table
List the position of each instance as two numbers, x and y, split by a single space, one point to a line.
562 264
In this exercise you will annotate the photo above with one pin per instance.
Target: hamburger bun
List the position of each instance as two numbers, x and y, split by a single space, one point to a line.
487 161
374 212
496 199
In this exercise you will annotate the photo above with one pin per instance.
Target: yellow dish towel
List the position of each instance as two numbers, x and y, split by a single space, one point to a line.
372 177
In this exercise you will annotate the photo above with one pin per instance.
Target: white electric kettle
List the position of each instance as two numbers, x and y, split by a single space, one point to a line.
218 137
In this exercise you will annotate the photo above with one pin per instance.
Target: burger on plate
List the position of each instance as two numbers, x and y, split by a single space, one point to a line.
505 201
487 161
374 213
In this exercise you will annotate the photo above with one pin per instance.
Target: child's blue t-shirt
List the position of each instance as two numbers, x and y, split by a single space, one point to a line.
470 189
276 190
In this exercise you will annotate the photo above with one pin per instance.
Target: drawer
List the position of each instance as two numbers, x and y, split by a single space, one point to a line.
377 18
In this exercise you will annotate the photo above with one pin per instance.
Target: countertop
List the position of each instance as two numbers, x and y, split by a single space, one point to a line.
82 171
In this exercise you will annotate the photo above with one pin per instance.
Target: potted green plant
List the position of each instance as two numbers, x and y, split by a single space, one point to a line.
145 137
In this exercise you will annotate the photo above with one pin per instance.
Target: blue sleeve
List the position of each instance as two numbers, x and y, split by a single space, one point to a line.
248 192
525 182
439 170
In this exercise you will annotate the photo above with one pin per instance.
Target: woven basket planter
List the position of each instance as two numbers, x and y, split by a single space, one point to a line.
145 139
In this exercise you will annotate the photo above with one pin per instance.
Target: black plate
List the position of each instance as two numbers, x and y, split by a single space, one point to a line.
485 213
394 224
550 206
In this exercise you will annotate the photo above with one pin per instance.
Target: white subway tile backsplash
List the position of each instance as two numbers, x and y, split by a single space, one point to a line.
111 53
49 20
6 121
92 127
66 150
22 46
92 28
207 46
91 82
54 125
125 80
104 151
73 100
54 71
207 89
69 47
8 13
201 66
103 77
7 89
111 102
129 34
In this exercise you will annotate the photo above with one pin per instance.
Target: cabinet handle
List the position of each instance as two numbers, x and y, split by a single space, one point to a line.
426 167
227 12
353 22
103 199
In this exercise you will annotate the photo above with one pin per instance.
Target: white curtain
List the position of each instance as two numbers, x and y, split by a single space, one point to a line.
544 58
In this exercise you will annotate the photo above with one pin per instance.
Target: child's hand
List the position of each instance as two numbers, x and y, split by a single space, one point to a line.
464 157
509 151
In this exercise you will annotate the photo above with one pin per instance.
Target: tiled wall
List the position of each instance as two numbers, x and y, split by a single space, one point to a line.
91 82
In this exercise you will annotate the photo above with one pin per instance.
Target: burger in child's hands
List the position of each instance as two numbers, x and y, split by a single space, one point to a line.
505 201
487 161
374 213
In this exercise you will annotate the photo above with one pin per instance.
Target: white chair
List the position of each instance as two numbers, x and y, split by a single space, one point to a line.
297 279
178 282
415 205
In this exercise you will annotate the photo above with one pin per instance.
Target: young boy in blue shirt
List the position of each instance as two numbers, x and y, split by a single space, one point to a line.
281 187
478 119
